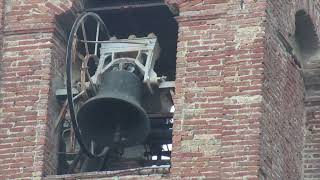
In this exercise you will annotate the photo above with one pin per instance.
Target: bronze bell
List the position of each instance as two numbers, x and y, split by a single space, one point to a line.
115 114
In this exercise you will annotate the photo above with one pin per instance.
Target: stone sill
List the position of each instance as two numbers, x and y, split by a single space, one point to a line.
160 171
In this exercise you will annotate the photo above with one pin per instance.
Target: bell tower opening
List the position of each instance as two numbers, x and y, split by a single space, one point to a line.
121 64
308 50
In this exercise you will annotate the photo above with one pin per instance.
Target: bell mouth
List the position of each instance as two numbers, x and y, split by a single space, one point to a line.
100 118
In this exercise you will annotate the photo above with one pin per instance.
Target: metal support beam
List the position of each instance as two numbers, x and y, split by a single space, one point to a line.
172 8
126 6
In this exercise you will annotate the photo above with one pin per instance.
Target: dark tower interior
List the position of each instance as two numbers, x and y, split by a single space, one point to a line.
123 19
138 17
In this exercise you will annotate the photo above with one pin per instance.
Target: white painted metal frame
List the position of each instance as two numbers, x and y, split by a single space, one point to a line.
148 46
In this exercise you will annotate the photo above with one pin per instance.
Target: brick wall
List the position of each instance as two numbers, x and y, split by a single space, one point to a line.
2 2
288 117
199 98
312 143
283 89
218 90
27 99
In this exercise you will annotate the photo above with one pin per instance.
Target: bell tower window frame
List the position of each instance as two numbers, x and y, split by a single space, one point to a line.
165 65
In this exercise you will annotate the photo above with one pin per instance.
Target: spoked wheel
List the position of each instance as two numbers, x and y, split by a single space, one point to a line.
82 58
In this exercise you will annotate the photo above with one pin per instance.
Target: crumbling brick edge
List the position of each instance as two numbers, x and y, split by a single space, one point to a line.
145 171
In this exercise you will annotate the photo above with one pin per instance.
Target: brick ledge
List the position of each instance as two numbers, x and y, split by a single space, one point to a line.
145 171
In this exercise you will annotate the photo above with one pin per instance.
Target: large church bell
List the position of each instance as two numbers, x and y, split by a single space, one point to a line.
115 114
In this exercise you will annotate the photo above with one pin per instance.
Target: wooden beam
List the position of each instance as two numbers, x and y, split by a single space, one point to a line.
61 115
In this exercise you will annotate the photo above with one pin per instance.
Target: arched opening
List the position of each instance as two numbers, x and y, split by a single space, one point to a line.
305 34
308 52
123 20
